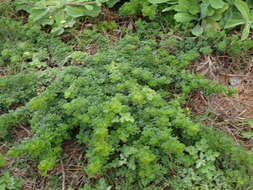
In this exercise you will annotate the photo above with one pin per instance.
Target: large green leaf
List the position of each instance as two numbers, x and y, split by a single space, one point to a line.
197 30
75 11
87 10
246 30
219 13
162 1
217 4
188 6
57 30
183 6
243 8
194 7
183 17
38 14
210 11
234 22
211 24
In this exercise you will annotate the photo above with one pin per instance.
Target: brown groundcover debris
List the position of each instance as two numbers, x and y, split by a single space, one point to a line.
230 113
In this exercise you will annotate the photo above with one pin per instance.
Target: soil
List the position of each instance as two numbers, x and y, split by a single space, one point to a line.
230 113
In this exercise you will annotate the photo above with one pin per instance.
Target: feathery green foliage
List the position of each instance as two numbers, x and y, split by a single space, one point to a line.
125 106
124 103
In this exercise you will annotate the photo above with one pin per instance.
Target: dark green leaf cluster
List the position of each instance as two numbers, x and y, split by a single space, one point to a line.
26 47
90 40
176 42
125 106
16 91
181 44
135 7
24 52
215 42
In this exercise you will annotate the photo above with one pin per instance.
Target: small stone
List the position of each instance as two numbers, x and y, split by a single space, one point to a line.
234 81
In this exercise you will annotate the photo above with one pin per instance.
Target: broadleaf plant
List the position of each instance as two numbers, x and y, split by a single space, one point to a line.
60 14
203 14
244 18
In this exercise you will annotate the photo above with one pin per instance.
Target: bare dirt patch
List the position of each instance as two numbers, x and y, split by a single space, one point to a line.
229 113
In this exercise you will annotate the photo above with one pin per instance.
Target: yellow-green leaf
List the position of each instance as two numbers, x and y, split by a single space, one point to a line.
183 17
217 4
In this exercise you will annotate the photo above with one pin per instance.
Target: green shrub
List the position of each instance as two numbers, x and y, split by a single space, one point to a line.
125 104
126 107
16 91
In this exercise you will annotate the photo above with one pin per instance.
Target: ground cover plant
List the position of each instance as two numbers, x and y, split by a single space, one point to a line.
124 102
